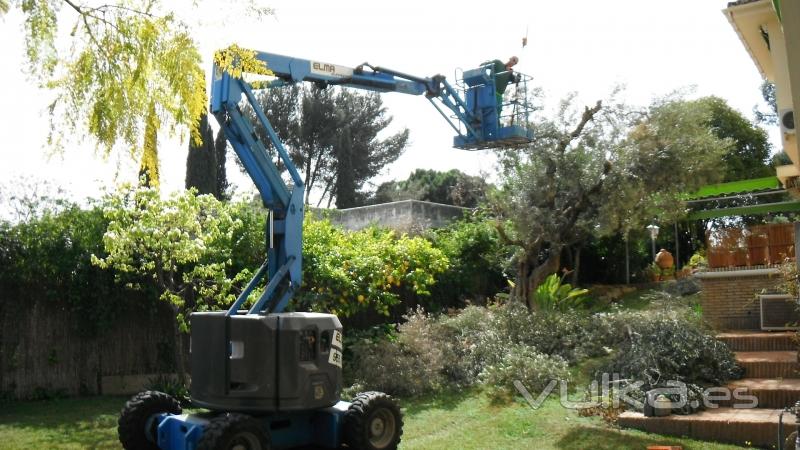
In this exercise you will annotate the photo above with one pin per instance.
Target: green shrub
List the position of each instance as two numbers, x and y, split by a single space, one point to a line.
49 254
390 367
698 260
48 257
172 385
348 272
495 345
671 346
555 295
522 363
477 262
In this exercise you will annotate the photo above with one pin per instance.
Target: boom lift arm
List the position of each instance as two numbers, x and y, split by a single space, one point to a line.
471 110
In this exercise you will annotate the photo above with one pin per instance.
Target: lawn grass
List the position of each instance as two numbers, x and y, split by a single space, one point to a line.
648 298
474 422
74 423
453 420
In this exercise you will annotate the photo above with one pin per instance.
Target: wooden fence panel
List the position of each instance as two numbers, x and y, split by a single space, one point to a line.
754 246
44 353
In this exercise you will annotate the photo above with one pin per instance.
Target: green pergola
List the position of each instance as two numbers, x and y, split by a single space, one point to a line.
736 189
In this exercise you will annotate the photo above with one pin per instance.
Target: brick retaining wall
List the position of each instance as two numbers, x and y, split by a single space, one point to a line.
730 300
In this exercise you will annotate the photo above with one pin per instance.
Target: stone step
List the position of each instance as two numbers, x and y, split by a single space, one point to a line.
759 341
778 364
771 392
747 427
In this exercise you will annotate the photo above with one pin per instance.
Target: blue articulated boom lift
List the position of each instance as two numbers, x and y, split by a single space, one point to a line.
271 379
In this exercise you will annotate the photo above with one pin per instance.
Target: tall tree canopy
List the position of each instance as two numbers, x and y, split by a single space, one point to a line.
128 70
597 171
359 154
205 163
451 188
123 58
221 153
769 117
201 162
332 137
750 155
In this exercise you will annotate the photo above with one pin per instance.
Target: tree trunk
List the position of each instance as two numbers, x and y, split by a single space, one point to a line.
221 152
201 162
576 264
627 259
538 275
520 290
570 254
180 368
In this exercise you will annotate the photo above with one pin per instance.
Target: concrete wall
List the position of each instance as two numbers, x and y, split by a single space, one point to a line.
730 298
407 216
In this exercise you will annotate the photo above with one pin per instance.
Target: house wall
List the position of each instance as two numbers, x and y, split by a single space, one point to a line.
730 298
791 30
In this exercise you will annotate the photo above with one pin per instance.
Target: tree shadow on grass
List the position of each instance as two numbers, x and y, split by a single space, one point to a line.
602 439
82 423
448 401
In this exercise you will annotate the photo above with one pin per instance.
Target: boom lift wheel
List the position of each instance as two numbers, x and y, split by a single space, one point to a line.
137 425
373 422
234 432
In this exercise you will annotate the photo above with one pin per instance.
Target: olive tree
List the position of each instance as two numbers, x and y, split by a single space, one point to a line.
599 170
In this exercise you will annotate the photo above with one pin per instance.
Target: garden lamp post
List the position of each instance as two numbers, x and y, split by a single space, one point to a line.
653 229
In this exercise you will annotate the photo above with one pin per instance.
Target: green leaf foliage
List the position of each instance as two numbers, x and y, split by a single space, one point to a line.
555 295
749 156
195 253
347 272
201 162
49 257
183 244
334 137
478 261
451 188
673 148
122 57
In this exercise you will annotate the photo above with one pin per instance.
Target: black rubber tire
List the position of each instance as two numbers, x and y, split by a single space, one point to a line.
133 418
229 430
360 432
